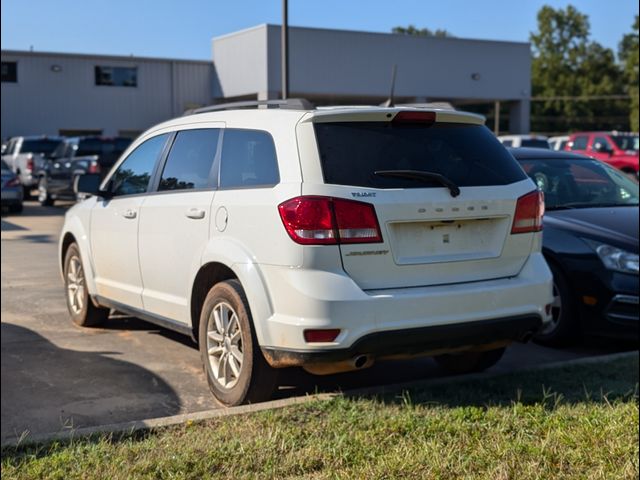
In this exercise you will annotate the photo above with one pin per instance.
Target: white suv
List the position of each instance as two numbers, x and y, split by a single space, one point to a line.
326 239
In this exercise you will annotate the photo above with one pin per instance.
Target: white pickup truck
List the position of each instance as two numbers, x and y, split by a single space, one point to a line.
25 156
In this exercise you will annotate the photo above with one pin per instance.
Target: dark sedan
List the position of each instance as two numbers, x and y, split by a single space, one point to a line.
590 242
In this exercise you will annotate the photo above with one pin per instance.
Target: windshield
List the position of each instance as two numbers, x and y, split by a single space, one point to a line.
578 183
534 143
5 166
44 146
626 142
467 155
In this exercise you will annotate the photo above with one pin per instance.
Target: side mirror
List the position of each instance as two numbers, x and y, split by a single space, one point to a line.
89 184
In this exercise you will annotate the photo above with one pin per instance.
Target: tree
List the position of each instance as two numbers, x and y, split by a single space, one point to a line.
566 69
420 32
628 55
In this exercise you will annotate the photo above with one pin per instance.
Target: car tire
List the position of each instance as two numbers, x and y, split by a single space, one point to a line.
81 308
15 208
26 193
469 362
44 197
563 327
236 370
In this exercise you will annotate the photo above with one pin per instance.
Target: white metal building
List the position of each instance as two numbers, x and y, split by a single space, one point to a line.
54 93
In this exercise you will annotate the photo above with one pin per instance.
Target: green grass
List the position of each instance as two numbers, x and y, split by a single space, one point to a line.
571 422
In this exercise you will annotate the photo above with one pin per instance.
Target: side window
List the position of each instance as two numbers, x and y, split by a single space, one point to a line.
248 159
604 142
507 143
133 175
579 143
190 160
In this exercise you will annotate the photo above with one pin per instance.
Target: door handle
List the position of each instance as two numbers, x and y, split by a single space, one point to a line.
129 213
195 213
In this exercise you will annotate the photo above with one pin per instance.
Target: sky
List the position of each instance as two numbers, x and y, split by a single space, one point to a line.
183 29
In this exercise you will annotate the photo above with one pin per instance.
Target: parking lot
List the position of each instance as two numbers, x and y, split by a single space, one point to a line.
56 375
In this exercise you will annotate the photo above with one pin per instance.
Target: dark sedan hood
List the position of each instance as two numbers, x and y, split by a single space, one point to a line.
617 226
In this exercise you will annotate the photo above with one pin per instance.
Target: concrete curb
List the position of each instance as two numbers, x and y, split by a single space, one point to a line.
134 426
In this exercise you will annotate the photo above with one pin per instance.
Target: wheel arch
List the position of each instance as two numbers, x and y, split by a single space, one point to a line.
222 260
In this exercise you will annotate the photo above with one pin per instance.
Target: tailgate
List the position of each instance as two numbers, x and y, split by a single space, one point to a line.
431 239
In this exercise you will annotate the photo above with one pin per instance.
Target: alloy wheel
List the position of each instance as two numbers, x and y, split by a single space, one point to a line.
224 345
75 285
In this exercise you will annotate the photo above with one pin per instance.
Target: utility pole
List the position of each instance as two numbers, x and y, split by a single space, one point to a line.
284 40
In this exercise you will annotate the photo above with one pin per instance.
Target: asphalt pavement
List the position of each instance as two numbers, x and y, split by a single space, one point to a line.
58 376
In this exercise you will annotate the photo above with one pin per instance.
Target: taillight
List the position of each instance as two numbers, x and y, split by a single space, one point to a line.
94 167
30 163
424 118
311 220
13 182
529 213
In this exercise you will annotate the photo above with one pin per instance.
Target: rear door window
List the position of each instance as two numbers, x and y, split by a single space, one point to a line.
190 160
248 159
468 155
580 142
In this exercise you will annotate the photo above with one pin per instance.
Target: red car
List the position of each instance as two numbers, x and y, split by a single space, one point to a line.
618 149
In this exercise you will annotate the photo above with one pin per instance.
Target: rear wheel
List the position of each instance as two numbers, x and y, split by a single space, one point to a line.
26 192
44 197
236 371
82 310
562 327
469 362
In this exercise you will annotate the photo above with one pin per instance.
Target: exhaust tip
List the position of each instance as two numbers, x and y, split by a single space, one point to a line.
360 361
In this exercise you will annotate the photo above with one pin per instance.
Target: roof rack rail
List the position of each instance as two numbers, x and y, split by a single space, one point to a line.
290 103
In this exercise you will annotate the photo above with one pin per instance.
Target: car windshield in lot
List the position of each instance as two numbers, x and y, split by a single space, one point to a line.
626 142
44 146
101 146
467 155
580 183
535 143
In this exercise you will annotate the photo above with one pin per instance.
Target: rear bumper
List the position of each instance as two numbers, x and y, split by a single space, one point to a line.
416 341
311 299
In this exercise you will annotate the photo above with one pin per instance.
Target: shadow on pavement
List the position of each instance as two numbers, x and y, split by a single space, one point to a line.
46 388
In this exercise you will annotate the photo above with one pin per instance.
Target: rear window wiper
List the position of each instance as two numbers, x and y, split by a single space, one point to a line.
421 175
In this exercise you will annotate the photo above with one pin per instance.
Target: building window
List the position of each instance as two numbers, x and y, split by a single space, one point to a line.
117 76
10 72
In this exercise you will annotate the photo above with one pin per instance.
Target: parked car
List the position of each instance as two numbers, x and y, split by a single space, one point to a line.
25 156
11 189
558 143
73 157
618 149
590 242
325 239
518 141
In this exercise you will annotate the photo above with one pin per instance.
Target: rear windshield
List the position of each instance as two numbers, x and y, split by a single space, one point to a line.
534 143
39 146
99 146
468 155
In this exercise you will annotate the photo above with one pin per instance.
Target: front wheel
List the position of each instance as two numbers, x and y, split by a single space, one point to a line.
82 310
44 197
236 370
469 362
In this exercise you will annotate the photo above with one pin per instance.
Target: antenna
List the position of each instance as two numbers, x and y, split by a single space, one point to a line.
390 102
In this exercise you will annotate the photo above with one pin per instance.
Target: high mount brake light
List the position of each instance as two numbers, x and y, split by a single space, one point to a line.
529 213
423 118
315 220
